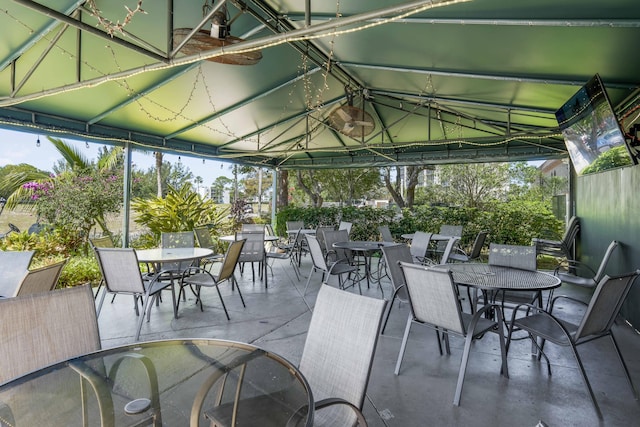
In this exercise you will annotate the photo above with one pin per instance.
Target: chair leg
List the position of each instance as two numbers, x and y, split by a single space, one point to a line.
308 280
233 280
222 302
624 366
386 317
146 306
586 380
403 346
463 368
104 293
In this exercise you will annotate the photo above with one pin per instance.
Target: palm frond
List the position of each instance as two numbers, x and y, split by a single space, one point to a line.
74 158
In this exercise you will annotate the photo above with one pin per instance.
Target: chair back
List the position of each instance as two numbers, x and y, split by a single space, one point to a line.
420 244
320 230
339 349
120 270
449 248
102 242
13 265
253 228
317 257
605 260
253 249
203 237
478 244
393 256
38 330
41 279
605 304
385 233
432 297
514 256
180 239
450 230
230 260
334 236
344 225
294 225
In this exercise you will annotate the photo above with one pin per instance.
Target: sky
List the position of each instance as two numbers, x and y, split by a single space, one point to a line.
20 147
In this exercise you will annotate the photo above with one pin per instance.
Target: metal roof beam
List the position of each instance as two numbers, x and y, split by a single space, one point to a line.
516 79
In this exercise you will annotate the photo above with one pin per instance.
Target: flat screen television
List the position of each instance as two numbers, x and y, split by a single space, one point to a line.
591 131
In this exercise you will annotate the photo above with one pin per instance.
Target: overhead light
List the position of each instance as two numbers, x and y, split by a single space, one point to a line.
38 142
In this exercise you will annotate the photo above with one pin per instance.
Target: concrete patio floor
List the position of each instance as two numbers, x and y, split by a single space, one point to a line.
277 318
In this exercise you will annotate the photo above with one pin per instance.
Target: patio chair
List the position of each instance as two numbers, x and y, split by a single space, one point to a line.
514 256
121 273
345 225
13 265
328 269
385 233
596 322
285 251
101 242
336 362
446 230
64 319
43 279
203 237
252 228
475 254
253 252
563 248
433 300
393 255
580 274
197 277
420 246
320 230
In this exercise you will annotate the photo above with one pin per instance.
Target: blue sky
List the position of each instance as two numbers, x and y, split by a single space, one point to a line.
19 147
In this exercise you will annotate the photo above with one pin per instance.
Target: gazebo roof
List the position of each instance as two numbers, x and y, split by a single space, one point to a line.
440 81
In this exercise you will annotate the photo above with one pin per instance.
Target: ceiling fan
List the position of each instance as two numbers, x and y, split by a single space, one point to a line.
351 121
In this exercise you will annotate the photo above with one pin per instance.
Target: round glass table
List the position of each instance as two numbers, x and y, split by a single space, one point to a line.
171 383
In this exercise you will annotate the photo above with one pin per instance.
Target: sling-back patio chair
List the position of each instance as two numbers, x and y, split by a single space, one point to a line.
336 361
597 322
41 279
433 300
121 272
580 274
328 269
393 255
198 277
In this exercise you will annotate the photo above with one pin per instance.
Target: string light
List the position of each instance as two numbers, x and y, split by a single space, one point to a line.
38 141
86 144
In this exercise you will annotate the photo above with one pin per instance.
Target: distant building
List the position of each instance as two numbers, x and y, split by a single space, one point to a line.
555 168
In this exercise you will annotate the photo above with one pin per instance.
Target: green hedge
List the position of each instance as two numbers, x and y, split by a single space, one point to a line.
515 222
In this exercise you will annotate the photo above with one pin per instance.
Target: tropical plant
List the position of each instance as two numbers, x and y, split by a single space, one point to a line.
181 210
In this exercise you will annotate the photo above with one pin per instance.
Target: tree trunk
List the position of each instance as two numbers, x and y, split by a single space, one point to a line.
394 190
282 199
158 155
313 193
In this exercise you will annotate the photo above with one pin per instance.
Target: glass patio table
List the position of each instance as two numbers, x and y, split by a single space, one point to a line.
167 383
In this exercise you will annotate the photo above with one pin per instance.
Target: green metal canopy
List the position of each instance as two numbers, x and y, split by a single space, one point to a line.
429 81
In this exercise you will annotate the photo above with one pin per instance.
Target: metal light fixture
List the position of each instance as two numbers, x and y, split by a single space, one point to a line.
37 143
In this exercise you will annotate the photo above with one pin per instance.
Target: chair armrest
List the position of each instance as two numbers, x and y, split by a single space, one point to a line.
336 401
574 265
557 297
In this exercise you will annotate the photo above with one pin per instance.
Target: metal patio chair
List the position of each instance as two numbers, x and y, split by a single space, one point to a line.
328 269
433 300
597 321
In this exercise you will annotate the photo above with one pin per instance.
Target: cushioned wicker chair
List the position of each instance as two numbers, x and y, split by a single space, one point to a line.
596 322
433 300
197 277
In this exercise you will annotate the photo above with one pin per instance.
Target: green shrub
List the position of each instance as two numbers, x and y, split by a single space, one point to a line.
80 270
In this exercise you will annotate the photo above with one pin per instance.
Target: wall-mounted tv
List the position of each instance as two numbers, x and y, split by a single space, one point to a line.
591 131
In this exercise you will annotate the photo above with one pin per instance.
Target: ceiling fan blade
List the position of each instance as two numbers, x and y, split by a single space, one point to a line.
365 124
343 115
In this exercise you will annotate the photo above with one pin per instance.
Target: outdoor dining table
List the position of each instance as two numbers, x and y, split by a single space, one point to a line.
173 382
238 236
367 249
167 255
